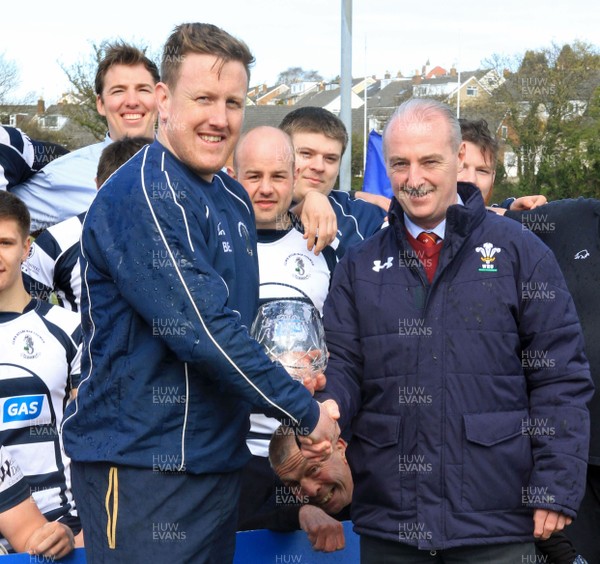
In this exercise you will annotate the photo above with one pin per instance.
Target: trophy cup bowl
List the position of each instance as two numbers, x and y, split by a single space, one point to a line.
291 333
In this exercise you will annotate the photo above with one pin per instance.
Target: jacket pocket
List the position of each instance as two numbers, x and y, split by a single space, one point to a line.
378 429
373 455
497 460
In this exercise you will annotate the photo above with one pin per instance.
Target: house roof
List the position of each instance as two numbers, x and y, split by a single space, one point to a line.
320 99
436 71
390 96
264 115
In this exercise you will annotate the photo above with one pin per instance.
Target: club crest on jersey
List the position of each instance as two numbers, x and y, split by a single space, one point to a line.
377 266
299 265
28 343
487 252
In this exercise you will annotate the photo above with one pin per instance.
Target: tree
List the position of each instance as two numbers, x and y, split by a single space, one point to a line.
81 76
549 108
298 74
9 77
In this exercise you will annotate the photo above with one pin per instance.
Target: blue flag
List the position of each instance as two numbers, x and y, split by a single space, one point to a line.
376 180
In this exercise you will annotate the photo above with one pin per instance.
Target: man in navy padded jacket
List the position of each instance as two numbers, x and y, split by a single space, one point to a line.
465 394
170 288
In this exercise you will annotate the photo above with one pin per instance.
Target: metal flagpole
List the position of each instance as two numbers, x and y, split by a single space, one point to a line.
346 92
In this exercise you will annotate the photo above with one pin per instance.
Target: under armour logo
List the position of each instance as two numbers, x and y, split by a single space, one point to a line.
583 254
377 266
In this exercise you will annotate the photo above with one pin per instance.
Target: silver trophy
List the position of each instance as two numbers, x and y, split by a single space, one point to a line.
291 333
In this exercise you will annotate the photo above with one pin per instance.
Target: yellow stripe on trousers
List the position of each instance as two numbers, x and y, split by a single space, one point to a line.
111 521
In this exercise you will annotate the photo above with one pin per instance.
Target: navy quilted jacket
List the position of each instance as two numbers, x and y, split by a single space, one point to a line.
467 397
170 373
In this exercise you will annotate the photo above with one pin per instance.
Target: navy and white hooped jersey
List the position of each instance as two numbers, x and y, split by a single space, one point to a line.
16 157
21 157
63 188
287 270
39 366
53 264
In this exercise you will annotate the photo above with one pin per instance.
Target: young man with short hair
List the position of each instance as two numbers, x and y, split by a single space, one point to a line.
320 139
171 374
124 85
39 372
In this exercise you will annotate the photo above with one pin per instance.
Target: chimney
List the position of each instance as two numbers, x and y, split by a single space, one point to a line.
387 75
453 72
41 107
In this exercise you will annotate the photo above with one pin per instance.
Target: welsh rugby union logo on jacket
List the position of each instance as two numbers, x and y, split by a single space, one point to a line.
487 252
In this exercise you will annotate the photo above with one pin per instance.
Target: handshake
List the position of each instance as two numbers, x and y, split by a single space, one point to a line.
307 368
320 442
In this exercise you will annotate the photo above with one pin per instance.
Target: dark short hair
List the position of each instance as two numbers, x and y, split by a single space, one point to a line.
118 153
477 131
13 208
203 39
281 445
121 53
312 119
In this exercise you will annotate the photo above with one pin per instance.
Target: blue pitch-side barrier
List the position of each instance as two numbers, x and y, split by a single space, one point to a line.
252 547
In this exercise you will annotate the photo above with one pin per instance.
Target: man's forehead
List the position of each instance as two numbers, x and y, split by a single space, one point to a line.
279 160
293 466
316 141
10 229
425 135
136 73
477 154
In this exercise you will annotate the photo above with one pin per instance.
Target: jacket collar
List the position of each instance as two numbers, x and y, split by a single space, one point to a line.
460 220
460 223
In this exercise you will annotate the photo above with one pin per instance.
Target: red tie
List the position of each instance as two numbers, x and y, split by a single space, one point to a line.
428 239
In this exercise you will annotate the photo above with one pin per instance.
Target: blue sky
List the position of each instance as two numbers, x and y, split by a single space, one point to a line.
388 35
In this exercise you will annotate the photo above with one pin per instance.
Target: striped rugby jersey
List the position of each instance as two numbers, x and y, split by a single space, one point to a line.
39 366
53 264
287 270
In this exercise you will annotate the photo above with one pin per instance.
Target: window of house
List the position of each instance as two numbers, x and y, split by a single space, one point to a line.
51 122
504 132
471 90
